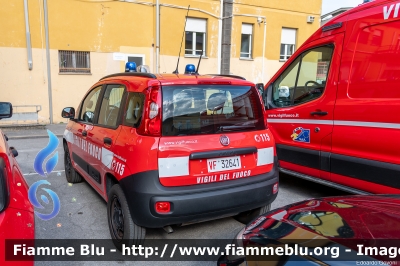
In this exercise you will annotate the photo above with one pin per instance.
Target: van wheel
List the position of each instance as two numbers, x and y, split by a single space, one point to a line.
247 217
122 229
70 173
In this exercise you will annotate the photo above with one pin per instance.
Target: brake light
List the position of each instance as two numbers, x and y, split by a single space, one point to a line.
163 207
151 124
201 82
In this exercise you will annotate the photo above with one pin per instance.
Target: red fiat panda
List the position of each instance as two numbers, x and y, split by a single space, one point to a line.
172 149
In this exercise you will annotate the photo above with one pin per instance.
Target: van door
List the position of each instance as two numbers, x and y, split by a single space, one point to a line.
366 136
300 107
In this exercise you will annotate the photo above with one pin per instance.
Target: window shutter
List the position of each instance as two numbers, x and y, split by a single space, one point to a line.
247 29
196 25
288 36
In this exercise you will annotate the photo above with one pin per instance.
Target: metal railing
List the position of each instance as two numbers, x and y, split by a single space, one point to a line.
23 114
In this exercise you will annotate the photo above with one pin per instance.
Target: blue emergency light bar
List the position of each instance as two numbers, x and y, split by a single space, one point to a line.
130 67
190 69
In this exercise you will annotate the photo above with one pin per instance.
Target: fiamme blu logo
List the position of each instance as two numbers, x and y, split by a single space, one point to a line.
49 165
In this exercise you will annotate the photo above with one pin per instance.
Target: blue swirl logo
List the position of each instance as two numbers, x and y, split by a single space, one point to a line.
44 198
49 167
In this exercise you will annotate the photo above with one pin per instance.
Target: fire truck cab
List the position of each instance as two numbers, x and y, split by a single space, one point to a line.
334 107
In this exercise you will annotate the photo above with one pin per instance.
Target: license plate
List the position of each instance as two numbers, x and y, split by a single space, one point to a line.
223 164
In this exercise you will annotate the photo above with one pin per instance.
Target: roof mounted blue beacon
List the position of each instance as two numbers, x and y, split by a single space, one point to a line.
190 69
130 67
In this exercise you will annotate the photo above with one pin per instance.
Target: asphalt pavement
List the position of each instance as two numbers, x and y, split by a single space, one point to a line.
83 213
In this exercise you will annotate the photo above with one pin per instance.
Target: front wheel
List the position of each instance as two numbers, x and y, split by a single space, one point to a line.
122 229
247 217
70 173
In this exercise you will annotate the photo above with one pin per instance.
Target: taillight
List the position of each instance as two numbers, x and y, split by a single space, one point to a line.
151 124
163 207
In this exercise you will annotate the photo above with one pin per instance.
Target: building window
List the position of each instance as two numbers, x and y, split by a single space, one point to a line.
195 36
246 43
288 43
74 61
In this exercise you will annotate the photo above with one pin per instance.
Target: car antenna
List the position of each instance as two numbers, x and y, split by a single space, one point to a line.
180 49
198 64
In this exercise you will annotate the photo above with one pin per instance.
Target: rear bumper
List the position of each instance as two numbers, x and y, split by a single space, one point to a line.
195 203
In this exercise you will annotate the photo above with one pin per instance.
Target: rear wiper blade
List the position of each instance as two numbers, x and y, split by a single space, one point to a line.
233 128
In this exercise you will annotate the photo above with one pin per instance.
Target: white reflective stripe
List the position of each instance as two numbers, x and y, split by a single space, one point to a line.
302 121
175 166
68 136
367 124
106 157
336 122
265 156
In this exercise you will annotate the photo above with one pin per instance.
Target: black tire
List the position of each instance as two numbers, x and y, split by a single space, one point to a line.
70 173
122 228
247 217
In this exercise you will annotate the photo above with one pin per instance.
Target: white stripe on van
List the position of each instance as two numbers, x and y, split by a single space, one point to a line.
303 121
265 156
335 122
175 166
367 124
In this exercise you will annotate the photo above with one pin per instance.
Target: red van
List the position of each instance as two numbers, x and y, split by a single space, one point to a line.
172 149
334 107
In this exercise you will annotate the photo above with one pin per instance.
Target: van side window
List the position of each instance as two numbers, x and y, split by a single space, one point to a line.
375 69
133 109
110 105
304 80
89 105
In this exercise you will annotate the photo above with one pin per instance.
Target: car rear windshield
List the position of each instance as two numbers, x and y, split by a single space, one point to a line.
210 109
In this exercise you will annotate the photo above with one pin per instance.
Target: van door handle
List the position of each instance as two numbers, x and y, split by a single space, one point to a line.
84 133
319 113
107 141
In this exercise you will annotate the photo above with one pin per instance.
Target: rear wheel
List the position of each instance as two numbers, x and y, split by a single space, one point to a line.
247 217
70 173
122 229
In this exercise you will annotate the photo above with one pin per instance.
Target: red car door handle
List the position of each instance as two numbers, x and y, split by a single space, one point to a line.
319 113
107 141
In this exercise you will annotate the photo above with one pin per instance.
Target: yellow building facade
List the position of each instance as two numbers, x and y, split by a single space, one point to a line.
91 39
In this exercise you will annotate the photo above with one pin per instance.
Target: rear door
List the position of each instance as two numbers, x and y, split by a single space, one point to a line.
103 135
212 133
301 105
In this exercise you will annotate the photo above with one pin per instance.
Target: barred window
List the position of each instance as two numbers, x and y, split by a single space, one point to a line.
74 61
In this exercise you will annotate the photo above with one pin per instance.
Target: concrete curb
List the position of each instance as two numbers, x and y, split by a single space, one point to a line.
32 136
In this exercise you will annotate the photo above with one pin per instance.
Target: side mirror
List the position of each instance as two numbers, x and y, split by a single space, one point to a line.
260 88
68 112
6 110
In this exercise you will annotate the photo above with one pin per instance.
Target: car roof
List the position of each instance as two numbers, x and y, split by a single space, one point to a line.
148 79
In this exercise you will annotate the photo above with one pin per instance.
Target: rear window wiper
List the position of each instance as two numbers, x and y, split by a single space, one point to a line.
234 128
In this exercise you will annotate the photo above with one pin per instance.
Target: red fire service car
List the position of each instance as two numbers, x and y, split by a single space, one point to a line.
334 107
17 219
172 149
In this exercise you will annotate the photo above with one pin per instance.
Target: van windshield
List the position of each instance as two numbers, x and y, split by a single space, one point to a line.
210 109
